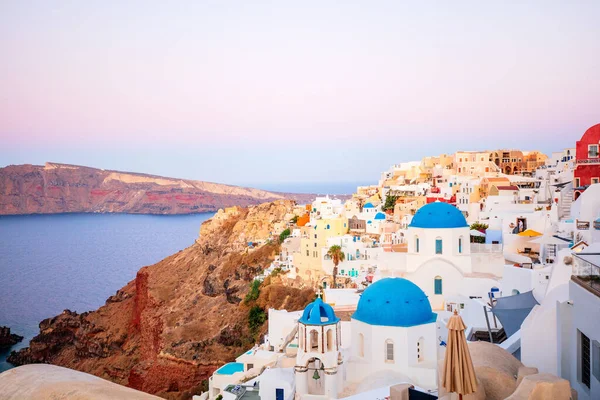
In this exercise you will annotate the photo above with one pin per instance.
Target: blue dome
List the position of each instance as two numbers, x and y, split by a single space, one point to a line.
369 205
438 215
318 313
379 215
394 302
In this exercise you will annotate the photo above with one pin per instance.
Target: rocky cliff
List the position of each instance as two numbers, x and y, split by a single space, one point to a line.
167 330
62 188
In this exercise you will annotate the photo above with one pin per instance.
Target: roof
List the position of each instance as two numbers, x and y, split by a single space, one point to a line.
318 313
511 187
394 302
368 205
438 215
379 215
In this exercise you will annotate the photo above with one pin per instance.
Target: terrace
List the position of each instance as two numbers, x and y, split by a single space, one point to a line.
586 271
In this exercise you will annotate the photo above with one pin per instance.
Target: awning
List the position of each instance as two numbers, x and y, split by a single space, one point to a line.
549 240
529 233
475 232
512 310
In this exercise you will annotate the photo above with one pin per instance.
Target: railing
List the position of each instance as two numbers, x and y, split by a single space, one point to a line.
486 248
587 275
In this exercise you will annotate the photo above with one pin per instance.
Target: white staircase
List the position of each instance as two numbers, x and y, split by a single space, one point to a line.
566 200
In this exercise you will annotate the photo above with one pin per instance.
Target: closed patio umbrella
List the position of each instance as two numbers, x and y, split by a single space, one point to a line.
459 374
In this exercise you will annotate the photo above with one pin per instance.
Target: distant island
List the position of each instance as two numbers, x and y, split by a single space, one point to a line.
63 188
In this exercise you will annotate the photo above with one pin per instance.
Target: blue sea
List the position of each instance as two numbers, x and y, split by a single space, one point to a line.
49 263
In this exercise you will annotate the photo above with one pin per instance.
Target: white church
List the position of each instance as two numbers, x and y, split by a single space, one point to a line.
392 336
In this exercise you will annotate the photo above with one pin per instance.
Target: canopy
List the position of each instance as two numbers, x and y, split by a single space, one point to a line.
475 232
459 374
529 233
512 310
549 240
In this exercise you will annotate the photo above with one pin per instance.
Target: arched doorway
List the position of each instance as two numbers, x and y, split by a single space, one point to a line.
507 170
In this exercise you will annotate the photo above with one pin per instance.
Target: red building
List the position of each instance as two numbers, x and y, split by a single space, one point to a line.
587 167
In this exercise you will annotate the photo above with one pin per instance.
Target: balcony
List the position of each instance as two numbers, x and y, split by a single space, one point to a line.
586 273
486 248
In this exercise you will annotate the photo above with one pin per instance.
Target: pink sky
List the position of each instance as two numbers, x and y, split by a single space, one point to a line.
402 80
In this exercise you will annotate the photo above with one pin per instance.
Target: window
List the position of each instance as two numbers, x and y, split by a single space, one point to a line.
314 340
315 245
330 340
328 227
437 285
460 244
301 333
416 244
249 366
315 235
596 359
420 349
595 180
438 246
584 359
577 181
307 253
389 351
279 394
593 151
361 345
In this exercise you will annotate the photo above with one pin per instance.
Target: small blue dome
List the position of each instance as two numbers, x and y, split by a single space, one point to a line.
394 302
438 215
379 215
318 313
369 205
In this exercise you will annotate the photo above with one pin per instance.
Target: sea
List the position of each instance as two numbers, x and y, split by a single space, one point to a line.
49 263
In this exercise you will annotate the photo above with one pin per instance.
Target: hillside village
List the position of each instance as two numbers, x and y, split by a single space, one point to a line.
507 239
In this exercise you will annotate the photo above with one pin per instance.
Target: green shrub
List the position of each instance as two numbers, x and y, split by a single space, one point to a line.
254 292
284 235
256 317
390 202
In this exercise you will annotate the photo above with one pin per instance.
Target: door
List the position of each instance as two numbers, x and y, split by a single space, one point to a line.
278 394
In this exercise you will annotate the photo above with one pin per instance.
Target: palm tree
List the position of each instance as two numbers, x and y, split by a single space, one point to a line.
337 256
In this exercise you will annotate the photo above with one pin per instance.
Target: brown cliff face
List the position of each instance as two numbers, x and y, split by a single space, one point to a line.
166 331
62 188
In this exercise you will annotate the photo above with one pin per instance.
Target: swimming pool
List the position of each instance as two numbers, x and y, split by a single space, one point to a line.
230 368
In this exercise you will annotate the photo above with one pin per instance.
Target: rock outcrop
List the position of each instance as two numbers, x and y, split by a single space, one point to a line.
166 331
8 339
62 188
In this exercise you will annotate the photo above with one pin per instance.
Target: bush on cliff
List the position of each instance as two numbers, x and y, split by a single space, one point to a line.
284 235
256 317
254 292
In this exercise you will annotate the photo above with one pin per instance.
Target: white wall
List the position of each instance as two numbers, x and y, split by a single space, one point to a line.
405 340
586 319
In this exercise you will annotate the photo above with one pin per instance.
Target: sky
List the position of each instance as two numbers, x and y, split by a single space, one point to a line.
278 92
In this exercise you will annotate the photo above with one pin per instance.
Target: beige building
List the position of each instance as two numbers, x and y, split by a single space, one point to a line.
474 163
313 239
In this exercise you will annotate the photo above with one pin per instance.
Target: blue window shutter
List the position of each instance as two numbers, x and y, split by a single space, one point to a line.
438 246
438 286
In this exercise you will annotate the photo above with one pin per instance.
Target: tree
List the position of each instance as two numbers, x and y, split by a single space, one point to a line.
390 202
337 256
294 220
284 235
477 226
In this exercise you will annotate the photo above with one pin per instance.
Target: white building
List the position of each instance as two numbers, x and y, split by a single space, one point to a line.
393 332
